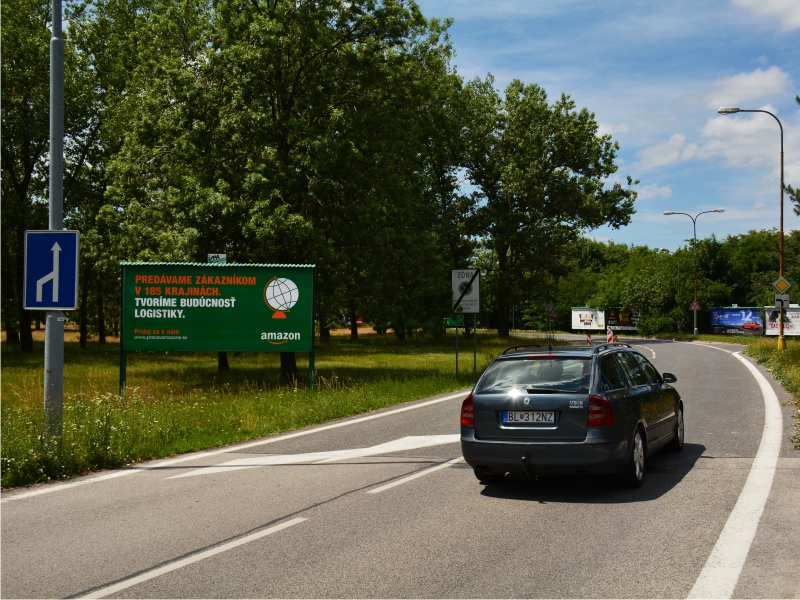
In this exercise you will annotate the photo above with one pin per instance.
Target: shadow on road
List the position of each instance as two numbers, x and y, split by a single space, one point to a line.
663 472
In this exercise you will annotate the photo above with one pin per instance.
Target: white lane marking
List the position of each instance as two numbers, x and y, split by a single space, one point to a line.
121 585
407 443
723 567
415 475
650 349
57 487
714 347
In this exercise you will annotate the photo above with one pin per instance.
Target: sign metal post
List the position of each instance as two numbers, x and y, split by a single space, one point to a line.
466 295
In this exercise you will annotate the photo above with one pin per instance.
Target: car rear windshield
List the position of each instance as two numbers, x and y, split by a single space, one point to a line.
544 374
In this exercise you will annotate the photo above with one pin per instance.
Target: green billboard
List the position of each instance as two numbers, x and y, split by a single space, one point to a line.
201 307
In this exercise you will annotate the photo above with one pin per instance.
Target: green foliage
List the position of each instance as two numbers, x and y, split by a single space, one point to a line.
541 170
785 366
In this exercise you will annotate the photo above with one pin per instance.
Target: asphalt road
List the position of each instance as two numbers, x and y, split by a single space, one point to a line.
299 516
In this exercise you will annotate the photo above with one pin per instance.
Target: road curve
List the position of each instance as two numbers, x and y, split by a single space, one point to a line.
384 507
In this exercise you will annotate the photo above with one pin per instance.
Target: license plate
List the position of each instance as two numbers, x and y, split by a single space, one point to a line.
532 416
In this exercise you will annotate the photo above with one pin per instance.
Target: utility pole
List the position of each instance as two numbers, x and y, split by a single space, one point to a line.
54 323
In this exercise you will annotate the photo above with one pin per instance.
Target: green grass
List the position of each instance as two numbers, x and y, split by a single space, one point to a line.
176 402
785 367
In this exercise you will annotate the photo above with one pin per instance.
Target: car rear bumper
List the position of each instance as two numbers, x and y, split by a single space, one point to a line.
545 458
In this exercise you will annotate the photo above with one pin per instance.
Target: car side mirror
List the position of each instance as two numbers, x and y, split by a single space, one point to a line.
669 378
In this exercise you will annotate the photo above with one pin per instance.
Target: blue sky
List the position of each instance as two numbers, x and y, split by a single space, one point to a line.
654 74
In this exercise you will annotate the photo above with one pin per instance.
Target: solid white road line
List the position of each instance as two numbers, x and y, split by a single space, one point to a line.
415 475
113 589
722 569
57 487
650 349
412 442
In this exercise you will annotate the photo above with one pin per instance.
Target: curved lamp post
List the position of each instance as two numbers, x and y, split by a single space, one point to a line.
729 110
694 223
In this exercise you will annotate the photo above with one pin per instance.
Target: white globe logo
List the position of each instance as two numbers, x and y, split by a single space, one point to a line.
281 294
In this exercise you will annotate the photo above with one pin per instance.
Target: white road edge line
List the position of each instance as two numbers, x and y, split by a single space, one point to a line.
721 572
415 475
650 349
113 589
173 461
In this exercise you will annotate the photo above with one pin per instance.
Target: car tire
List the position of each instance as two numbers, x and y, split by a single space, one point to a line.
633 475
676 445
487 477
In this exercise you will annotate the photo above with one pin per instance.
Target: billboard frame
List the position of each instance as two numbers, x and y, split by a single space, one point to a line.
221 267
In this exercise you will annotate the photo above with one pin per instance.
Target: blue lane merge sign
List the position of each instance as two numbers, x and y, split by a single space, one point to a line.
51 270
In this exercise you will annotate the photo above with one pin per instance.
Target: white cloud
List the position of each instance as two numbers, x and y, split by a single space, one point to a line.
744 141
788 11
741 88
665 153
605 128
653 190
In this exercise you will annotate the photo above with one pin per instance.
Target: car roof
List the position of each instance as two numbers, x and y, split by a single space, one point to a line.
531 350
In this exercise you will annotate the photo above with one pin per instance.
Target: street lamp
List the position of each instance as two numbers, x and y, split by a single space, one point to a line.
729 110
694 223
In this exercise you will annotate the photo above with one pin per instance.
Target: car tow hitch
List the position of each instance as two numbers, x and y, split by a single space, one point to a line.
528 471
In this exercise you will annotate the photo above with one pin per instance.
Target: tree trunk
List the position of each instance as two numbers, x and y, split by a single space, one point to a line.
353 325
84 310
222 363
400 331
25 333
288 368
503 293
324 330
101 316
12 335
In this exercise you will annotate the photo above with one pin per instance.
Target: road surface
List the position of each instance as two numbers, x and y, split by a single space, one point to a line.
380 505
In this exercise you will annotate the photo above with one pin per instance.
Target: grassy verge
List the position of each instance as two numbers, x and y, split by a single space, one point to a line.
178 403
785 366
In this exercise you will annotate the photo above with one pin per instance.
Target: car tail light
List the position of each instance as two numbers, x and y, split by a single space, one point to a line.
600 412
467 411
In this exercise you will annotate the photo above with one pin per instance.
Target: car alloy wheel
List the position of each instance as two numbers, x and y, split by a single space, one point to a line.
676 445
633 475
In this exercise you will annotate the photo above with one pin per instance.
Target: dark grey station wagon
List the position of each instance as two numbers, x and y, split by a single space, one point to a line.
569 410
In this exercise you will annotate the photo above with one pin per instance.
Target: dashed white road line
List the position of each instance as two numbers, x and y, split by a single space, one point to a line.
724 566
142 577
416 475
57 487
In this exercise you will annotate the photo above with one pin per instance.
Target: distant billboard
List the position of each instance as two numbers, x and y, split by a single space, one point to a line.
619 319
738 320
791 320
588 318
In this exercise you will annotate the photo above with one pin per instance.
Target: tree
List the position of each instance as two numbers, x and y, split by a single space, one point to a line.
25 143
541 170
285 133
